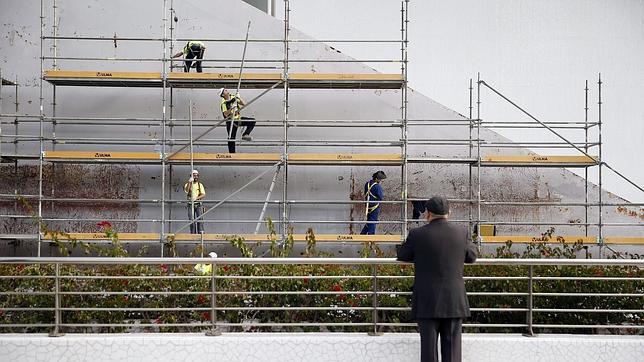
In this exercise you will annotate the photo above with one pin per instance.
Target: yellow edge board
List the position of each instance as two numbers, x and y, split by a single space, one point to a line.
295 157
540 159
101 155
107 74
624 240
228 156
101 74
224 76
523 239
224 237
528 238
344 157
345 76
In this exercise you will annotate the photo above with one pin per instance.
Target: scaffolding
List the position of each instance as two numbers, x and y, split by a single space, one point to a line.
170 151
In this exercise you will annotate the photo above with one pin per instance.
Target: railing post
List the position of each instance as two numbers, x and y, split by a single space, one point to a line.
374 300
529 332
57 318
213 331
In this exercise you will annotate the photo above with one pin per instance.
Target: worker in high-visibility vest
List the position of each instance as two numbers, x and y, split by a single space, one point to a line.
195 192
373 193
230 109
193 49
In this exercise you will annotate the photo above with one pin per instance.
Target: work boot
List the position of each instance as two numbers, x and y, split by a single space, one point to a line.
247 137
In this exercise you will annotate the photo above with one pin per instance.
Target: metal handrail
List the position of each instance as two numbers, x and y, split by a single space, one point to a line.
370 314
282 261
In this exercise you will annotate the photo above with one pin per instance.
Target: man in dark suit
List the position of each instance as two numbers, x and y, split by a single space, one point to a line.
439 303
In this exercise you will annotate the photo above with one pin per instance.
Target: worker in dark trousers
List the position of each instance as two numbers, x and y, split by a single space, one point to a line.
373 193
193 49
418 209
230 109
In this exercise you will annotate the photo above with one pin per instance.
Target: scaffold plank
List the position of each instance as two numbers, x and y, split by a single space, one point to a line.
107 78
379 159
223 158
538 160
524 239
345 158
569 239
101 156
626 240
226 237
103 236
103 78
217 80
346 80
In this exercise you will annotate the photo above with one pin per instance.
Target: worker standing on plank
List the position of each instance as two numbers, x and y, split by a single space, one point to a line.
193 49
195 193
373 193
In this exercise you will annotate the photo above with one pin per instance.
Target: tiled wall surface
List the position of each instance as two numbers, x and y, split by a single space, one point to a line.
328 347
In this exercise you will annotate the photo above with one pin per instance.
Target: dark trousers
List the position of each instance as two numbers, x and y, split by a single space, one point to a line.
195 52
418 209
247 122
196 227
370 229
449 330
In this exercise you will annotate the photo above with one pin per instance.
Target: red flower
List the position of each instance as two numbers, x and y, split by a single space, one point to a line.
226 268
206 315
104 224
336 288
164 268
201 298
125 298
599 273
305 280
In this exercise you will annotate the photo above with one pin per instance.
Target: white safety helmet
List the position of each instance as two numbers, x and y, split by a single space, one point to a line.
221 91
194 172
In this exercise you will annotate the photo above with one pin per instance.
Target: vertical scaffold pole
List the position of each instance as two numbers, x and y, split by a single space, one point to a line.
478 160
586 168
285 71
53 106
41 126
15 149
404 22
470 189
601 160
171 111
193 222
163 122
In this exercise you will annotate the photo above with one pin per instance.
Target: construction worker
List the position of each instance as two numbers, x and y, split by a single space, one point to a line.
373 193
230 107
193 49
418 209
195 193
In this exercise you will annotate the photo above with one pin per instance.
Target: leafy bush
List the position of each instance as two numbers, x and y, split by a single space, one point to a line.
143 298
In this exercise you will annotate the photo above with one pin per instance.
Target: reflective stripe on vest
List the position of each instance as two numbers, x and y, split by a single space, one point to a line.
224 107
371 209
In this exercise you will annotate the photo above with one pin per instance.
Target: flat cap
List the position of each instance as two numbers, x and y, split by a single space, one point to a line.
438 205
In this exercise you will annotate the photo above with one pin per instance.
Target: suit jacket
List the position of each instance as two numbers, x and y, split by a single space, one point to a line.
438 249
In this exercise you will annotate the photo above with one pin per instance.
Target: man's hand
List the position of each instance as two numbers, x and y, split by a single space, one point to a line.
191 180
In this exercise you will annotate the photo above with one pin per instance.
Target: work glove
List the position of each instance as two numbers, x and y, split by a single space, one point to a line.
191 180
